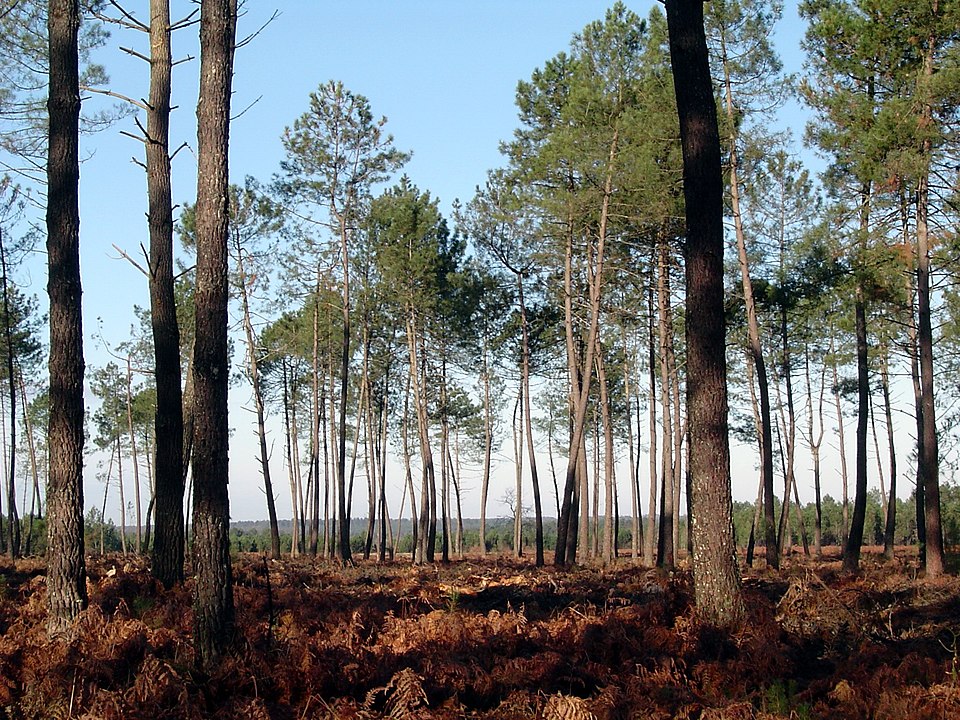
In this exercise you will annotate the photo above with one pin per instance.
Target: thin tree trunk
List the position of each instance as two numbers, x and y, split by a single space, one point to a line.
649 545
291 475
35 500
814 440
253 368
889 530
444 472
609 542
665 547
528 425
13 519
424 552
841 440
316 423
517 433
851 554
636 538
595 283
135 457
755 407
765 438
487 451
123 505
408 474
343 520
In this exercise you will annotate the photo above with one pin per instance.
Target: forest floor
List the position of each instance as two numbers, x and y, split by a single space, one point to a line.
493 638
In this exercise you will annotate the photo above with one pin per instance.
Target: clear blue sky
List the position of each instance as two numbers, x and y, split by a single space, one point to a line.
443 72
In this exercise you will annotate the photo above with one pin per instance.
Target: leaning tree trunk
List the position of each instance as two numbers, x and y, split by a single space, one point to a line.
565 552
715 574
528 425
213 594
66 569
253 367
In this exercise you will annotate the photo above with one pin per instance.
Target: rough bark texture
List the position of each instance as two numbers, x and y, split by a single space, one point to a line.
213 599
168 547
715 572
66 570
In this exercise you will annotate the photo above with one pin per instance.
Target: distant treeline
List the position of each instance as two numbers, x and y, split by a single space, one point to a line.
254 536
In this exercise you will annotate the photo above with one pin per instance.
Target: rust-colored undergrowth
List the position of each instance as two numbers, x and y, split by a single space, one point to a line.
490 638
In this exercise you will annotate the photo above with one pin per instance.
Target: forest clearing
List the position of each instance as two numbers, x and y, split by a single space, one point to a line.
490 638
649 295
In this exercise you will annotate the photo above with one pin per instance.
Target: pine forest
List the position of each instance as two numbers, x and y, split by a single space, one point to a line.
650 413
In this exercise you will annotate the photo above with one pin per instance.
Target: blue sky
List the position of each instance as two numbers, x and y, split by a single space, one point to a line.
442 71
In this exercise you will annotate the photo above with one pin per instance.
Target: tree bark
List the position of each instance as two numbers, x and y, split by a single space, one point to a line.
851 553
66 568
929 457
168 545
213 595
715 573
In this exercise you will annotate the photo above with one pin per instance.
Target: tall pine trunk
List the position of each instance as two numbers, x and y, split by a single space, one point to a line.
213 593
851 552
715 574
66 568
169 475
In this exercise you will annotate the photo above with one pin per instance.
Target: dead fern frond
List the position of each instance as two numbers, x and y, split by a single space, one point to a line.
566 707
404 695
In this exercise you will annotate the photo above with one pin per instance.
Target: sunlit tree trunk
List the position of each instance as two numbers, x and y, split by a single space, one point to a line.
213 593
715 574
66 568
168 545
